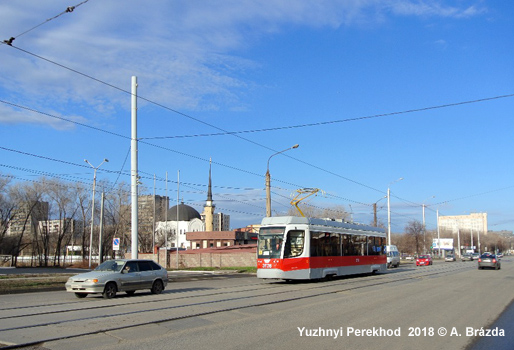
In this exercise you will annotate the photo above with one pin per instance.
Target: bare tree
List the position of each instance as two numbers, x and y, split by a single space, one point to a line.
66 207
117 217
26 213
414 229
6 212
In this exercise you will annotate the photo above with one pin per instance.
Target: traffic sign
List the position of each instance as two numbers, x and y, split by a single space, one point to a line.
115 244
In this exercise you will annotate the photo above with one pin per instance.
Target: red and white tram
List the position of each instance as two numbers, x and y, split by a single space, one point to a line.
303 248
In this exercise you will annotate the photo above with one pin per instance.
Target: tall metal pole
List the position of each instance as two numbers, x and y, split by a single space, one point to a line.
458 240
389 211
166 259
166 219
100 235
472 238
153 221
424 232
388 216
92 220
93 208
438 238
268 181
479 250
133 172
178 198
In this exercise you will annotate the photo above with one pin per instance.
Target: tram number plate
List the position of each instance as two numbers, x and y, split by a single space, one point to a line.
266 266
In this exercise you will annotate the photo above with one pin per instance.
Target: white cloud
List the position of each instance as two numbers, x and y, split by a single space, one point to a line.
13 115
183 52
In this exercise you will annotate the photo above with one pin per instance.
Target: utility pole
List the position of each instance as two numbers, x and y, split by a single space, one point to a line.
375 214
133 171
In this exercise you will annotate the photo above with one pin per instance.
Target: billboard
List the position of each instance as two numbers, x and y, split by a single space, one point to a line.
443 243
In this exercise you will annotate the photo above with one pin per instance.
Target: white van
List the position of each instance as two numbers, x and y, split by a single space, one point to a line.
393 256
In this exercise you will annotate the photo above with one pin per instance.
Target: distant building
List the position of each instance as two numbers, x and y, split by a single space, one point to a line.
217 239
474 222
172 233
221 222
54 227
189 220
26 218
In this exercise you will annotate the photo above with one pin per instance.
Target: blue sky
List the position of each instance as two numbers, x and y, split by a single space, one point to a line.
371 90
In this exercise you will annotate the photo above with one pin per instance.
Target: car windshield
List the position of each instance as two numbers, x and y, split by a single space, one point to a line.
111 265
486 256
423 257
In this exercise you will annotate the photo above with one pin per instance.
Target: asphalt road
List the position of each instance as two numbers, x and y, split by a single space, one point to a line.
433 307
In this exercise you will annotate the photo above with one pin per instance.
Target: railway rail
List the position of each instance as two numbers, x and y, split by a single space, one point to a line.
28 325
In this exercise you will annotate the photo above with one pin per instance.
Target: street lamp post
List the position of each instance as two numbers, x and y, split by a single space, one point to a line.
424 229
268 182
93 207
389 211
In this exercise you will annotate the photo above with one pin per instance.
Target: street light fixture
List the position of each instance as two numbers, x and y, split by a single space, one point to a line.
93 207
268 181
389 211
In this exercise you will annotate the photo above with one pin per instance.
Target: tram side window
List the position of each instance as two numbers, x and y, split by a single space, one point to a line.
380 244
294 244
359 245
325 244
315 244
335 244
347 245
374 245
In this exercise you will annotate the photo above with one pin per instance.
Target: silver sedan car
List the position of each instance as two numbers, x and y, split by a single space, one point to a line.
489 260
120 275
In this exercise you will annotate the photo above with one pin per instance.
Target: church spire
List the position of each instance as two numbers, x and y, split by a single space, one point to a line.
209 190
209 206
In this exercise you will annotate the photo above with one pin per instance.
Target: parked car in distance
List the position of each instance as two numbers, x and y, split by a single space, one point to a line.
449 257
499 255
409 257
120 275
475 256
466 257
424 260
489 260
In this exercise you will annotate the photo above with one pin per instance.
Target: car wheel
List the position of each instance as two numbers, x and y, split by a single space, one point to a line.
157 287
109 291
81 295
130 292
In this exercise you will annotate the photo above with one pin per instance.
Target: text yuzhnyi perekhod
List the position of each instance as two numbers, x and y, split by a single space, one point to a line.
348 332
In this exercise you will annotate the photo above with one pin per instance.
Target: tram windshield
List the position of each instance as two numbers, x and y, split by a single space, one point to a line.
270 242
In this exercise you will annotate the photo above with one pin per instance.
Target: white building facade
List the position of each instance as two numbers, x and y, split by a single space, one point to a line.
474 222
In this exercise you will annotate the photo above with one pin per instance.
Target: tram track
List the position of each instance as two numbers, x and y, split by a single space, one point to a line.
282 293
